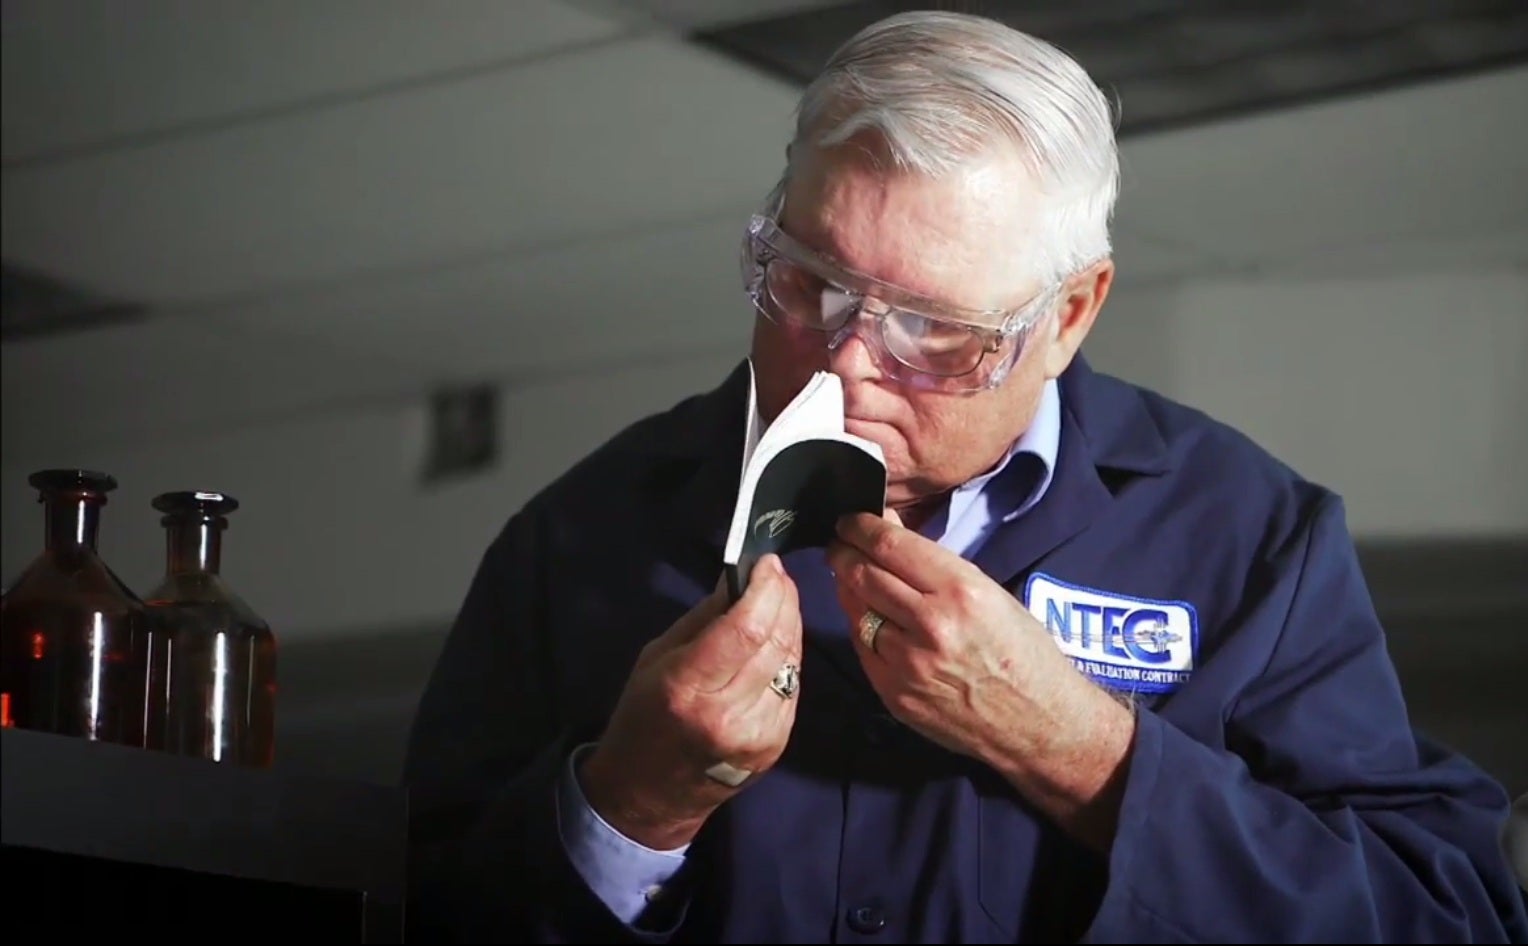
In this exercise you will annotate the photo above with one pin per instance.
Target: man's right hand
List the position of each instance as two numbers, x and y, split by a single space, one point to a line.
699 694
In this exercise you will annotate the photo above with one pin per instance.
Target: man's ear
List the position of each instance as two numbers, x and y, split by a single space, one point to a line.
1073 318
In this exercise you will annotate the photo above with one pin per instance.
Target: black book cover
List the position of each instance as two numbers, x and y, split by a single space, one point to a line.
799 477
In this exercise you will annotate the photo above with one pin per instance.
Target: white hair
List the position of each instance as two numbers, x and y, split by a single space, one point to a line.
940 88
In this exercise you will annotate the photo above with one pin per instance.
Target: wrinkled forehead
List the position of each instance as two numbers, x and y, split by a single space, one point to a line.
963 239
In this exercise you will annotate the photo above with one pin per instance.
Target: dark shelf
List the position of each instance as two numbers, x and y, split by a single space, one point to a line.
105 840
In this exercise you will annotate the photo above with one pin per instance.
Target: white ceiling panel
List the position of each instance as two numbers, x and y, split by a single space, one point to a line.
162 381
675 288
1445 159
638 298
603 141
81 74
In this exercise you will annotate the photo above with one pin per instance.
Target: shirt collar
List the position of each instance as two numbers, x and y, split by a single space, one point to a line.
1041 440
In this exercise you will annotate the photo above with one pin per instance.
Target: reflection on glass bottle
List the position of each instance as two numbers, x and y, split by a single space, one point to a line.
74 640
216 676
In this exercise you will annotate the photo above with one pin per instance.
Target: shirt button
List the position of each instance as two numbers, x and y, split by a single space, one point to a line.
866 920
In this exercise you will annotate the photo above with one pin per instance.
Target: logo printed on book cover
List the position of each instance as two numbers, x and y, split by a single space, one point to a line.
778 520
1123 642
801 473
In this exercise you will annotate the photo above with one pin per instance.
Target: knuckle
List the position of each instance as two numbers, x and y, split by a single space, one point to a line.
752 628
767 743
966 597
883 544
676 703
859 573
650 651
712 730
941 629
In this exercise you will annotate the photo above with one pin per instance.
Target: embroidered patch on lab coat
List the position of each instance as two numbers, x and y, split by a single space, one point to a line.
1121 642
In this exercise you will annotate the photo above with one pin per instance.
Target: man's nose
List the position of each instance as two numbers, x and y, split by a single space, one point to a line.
852 354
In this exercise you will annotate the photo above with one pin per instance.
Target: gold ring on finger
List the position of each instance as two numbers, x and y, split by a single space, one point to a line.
870 627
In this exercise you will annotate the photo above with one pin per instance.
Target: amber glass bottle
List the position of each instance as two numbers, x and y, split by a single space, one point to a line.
218 669
74 640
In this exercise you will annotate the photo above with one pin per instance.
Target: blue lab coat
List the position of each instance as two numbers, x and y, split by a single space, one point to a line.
1276 792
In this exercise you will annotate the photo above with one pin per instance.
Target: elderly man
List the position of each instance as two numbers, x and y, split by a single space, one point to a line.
1102 671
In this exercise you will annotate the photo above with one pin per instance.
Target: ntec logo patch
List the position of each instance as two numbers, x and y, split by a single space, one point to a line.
1122 642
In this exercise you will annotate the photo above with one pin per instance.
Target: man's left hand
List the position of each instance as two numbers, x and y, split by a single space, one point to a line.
962 662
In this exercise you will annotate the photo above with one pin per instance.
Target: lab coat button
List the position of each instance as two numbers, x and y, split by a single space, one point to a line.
866 920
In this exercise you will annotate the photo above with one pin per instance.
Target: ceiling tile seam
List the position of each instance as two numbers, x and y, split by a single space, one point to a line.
148 138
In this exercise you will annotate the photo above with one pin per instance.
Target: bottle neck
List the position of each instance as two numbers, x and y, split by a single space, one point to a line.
195 545
72 522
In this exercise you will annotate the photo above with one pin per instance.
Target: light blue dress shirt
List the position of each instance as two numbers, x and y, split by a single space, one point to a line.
624 874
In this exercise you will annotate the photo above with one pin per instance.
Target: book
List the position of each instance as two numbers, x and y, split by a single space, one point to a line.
799 476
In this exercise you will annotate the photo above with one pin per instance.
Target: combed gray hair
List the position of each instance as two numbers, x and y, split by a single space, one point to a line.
939 88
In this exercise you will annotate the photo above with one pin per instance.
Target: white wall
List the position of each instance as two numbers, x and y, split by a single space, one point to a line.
1405 392
1416 406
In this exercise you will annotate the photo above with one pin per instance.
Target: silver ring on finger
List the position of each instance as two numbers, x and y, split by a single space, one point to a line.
787 681
870 624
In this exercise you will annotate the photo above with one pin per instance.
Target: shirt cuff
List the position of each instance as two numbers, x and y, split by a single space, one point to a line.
624 874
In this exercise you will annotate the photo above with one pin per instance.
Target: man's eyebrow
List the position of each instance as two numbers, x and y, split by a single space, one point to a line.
812 240
835 259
